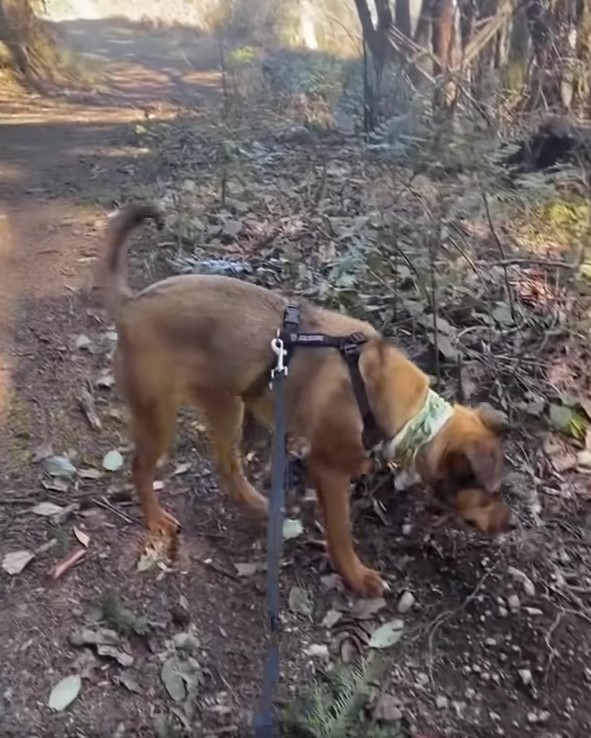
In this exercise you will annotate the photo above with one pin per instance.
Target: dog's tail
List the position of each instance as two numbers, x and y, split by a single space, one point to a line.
114 277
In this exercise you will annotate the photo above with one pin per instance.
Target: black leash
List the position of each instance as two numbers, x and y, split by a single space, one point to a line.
265 726
283 344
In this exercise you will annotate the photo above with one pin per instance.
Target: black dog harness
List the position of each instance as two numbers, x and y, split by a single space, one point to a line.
350 348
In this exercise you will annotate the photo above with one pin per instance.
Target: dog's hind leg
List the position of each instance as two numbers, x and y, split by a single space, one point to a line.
225 414
154 424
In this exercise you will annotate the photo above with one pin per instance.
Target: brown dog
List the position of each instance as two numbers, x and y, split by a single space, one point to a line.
205 340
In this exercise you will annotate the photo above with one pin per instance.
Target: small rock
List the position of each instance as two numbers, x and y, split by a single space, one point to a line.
584 458
534 611
513 602
422 679
525 676
470 693
406 529
318 651
494 716
564 557
503 612
536 718
459 708
406 601
490 642
186 642
528 587
387 709
441 702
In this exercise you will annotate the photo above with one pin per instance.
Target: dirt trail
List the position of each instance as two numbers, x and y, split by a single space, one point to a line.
62 164
57 160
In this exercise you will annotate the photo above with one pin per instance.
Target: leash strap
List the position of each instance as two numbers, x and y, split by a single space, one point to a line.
283 345
265 726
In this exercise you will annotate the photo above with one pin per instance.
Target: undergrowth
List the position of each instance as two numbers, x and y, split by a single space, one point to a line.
337 706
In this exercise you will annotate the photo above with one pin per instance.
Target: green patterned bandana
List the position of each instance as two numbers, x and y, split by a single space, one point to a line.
419 430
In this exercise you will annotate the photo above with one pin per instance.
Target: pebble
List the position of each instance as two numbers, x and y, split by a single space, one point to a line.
494 716
490 642
529 587
406 529
441 702
535 718
527 584
470 693
534 611
525 676
422 679
318 650
513 602
503 612
406 601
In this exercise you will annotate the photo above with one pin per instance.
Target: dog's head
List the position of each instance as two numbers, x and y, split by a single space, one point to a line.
463 464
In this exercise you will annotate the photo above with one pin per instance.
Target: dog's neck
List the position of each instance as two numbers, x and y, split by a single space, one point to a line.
419 430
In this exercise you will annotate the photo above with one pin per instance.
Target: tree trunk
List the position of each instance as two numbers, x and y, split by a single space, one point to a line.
376 37
444 34
402 17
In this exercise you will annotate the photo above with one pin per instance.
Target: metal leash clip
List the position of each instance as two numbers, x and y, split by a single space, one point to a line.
278 348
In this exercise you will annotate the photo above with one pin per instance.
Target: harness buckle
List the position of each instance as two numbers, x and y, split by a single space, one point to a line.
352 346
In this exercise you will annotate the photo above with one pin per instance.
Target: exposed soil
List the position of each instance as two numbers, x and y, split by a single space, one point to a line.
487 650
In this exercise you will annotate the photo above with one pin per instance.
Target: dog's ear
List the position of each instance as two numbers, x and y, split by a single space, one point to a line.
494 420
485 456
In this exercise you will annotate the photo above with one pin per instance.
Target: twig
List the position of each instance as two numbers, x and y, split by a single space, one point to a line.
526 261
103 502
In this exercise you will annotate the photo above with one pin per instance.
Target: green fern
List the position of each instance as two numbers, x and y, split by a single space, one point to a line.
121 618
334 707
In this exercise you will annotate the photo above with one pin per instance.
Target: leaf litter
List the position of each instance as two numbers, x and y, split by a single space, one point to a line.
65 692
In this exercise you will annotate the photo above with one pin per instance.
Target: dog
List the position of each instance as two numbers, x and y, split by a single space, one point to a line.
205 341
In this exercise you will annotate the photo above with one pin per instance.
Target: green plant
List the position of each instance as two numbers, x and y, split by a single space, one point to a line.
121 618
334 707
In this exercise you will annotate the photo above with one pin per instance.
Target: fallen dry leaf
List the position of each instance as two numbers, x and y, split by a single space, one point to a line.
246 569
83 538
15 562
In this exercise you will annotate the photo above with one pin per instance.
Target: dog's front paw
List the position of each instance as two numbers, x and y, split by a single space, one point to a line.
163 524
367 582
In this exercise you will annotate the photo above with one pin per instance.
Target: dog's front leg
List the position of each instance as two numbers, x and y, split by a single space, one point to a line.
332 486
